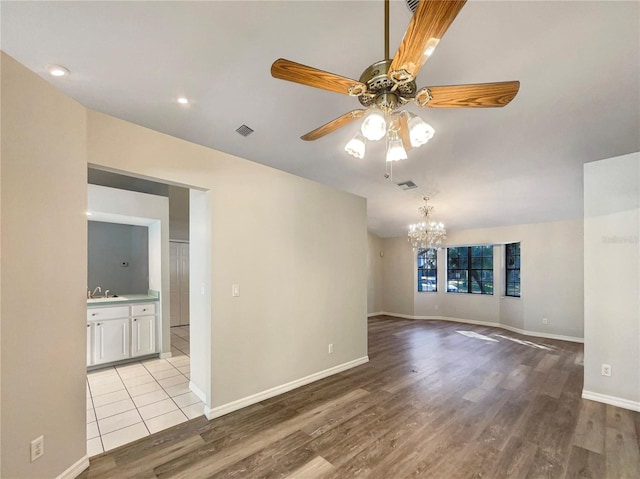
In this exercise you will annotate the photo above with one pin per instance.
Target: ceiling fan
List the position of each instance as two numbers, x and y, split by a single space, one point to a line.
388 84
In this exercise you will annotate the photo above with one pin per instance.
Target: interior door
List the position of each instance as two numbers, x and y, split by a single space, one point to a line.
179 283
174 283
184 283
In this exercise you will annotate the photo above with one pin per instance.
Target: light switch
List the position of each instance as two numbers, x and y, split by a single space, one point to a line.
235 290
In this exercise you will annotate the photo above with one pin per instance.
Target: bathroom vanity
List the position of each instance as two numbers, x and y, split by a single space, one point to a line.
121 328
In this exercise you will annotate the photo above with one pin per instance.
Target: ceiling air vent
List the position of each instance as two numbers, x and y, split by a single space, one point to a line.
407 185
244 130
412 4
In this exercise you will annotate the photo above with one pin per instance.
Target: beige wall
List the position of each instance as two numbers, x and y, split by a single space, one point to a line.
44 274
552 276
612 280
397 276
374 268
301 267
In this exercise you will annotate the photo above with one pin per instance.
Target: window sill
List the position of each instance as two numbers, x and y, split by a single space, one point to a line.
470 294
504 296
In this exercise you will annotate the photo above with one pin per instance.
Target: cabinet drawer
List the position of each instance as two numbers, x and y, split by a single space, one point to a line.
143 309
108 313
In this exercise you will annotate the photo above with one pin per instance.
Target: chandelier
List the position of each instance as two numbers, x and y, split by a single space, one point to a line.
402 129
427 233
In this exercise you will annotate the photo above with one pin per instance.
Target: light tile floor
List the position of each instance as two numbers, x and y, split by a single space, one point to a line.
127 402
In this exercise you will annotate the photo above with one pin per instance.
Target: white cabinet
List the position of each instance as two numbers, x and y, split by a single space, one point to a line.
143 335
120 332
111 340
143 309
107 313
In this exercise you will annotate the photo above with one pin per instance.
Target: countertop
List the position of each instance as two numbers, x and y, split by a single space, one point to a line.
124 299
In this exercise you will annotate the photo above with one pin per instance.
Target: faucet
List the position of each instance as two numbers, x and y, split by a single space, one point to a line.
98 289
106 294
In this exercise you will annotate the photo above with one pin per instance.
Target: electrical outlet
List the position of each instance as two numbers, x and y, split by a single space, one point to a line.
545 321
235 290
37 448
606 370
330 348
435 307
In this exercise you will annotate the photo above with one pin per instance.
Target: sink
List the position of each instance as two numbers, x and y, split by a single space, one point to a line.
106 300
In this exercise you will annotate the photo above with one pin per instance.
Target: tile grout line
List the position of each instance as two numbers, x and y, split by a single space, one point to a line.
134 403
126 388
93 408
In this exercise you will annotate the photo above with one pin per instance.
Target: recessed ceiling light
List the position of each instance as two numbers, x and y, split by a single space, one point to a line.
183 101
57 71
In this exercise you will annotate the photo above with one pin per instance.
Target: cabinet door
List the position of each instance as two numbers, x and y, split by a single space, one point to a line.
111 340
89 344
143 335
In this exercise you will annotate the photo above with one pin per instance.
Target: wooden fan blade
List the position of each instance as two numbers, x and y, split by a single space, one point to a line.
333 125
298 73
426 28
404 134
481 95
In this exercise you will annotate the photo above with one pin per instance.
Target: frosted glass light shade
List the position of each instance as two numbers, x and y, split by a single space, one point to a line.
395 148
419 131
356 145
374 125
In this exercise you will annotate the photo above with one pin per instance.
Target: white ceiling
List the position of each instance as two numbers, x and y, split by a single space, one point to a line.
578 64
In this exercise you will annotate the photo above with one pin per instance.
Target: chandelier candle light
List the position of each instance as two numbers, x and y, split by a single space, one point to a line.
427 233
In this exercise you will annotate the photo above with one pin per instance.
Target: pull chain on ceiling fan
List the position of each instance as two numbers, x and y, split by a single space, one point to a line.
389 84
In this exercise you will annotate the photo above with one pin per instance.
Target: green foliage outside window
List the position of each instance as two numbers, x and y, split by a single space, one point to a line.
470 269
427 270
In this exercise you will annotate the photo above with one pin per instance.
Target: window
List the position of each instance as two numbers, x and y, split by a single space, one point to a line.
512 260
470 269
427 270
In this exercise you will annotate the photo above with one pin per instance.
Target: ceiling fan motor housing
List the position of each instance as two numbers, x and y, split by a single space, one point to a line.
382 91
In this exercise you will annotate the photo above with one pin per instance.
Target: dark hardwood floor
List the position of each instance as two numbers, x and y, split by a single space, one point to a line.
431 403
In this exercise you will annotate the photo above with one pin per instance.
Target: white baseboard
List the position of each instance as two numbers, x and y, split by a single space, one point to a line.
269 393
612 400
560 337
76 469
524 332
165 355
374 314
403 316
198 392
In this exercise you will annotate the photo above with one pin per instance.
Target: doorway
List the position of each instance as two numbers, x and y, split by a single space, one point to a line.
127 401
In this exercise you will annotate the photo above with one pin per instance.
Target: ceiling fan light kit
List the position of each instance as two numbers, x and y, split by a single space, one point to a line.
395 148
356 145
419 131
389 84
374 126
